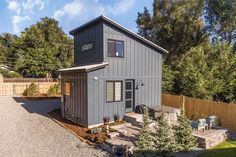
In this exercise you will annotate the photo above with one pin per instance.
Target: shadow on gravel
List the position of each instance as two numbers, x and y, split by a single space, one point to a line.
41 107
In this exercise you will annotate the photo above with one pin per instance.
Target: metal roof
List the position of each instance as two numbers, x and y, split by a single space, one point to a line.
85 68
106 19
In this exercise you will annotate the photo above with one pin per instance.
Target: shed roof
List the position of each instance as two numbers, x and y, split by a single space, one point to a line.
126 30
85 68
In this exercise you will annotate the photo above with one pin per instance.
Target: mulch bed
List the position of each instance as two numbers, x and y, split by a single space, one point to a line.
80 131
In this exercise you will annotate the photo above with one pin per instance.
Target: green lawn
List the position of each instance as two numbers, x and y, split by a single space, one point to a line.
226 149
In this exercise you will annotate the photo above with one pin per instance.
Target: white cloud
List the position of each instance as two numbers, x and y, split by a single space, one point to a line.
16 20
28 5
22 10
58 14
120 7
14 6
84 9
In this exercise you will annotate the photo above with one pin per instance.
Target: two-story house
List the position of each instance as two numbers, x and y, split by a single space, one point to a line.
115 70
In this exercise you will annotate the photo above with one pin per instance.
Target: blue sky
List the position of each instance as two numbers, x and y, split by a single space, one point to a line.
15 15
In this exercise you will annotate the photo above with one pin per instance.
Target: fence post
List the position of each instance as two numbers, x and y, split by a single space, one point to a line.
183 102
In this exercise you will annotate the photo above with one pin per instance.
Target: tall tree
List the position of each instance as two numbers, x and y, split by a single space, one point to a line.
175 25
45 48
8 50
220 17
198 75
224 58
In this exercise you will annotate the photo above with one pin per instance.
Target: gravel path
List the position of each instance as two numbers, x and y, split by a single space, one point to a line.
25 130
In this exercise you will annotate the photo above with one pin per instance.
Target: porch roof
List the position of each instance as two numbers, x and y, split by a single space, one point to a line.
85 68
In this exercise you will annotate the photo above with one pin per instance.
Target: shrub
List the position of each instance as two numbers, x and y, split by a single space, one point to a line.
143 145
116 118
106 120
164 138
186 141
32 90
53 90
9 74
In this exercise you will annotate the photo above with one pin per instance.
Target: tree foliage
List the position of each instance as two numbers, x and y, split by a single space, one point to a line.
45 48
41 49
220 17
168 78
200 37
174 25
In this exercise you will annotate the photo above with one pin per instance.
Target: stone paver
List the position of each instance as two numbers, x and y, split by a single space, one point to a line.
27 131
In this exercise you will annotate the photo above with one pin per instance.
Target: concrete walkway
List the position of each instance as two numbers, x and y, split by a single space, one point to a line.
25 130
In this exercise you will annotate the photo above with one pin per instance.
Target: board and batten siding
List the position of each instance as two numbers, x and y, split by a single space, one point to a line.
92 34
140 62
74 107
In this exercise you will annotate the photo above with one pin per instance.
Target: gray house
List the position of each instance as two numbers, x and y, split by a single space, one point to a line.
115 70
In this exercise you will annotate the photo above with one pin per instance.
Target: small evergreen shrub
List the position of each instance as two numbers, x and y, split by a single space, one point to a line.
164 137
143 146
183 132
32 90
53 90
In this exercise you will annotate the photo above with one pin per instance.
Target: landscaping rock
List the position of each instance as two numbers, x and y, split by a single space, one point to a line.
112 135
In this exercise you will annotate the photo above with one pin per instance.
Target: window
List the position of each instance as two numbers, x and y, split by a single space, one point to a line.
114 91
86 47
67 89
115 48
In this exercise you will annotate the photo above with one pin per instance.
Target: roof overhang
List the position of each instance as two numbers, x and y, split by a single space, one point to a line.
106 19
85 68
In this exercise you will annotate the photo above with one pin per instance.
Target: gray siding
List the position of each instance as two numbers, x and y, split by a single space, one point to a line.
140 62
74 107
92 34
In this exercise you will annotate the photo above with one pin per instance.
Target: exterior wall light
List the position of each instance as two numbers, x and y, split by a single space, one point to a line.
139 83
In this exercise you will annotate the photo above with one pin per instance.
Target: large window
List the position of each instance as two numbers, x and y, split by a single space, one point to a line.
115 48
114 91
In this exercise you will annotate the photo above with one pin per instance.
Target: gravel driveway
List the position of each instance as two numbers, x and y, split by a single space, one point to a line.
25 130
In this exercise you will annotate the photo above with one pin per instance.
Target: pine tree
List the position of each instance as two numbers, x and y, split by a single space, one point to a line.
164 141
183 131
143 144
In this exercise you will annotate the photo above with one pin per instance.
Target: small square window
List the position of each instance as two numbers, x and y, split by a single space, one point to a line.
115 48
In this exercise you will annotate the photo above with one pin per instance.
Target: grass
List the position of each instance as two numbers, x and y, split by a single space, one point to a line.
225 149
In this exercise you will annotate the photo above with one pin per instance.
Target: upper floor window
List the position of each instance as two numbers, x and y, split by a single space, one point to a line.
86 47
115 48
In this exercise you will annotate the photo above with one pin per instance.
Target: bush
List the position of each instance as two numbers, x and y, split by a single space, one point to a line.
32 90
53 90
9 74
116 118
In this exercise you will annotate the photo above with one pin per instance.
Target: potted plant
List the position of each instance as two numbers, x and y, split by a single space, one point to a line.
116 118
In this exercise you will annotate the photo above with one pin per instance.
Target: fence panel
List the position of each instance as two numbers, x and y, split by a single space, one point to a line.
18 80
198 108
19 88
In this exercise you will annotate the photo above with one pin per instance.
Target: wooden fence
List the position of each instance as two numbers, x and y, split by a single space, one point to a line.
198 108
18 80
19 88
